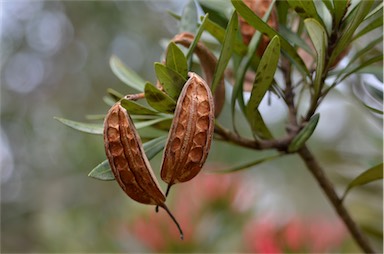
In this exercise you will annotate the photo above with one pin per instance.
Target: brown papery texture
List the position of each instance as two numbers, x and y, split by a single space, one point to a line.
127 159
208 63
191 132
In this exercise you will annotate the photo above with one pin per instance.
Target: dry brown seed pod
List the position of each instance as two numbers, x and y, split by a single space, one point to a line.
128 161
208 63
191 133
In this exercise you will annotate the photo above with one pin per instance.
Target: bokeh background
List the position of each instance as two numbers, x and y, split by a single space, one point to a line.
55 62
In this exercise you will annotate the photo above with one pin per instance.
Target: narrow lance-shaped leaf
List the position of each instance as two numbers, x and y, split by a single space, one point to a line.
159 100
339 11
237 92
226 50
126 75
102 172
264 77
176 60
84 127
263 27
115 94
306 9
197 37
358 16
259 128
188 22
136 109
219 33
171 81
319 39
247 165
304 134
362 65
370 175
152 148
376 23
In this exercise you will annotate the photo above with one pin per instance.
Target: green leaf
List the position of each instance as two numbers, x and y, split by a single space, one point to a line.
148 123
216 13
135 108
319 39
264 75
358 16
188 22
256 121
329 5
116 96
305 9
109 101
125 74
339 11
171 81
378 22
154 146
295 39
197 37
102 172
84 127
372 174
219 33
364 50
226 51
263 27
151 148
176 60
304 134
250 58
159 100
248 165
368 62
374 110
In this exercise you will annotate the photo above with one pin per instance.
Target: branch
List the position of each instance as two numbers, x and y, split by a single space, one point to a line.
317 171
279 144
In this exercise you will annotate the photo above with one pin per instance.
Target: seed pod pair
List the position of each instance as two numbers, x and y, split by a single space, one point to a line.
185 153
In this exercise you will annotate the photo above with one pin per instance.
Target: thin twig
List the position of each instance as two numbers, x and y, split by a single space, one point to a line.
330 192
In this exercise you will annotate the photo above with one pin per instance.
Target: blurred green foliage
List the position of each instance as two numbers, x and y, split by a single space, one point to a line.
55 62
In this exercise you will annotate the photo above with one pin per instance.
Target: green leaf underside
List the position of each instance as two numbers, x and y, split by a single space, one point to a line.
264 77
295 39
109 101
125 74
304 134
226 51
176 60
151 148
90 128
372 174
319 39
102 172
247 165
188 22
159 100
171 81
261 26
136 108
